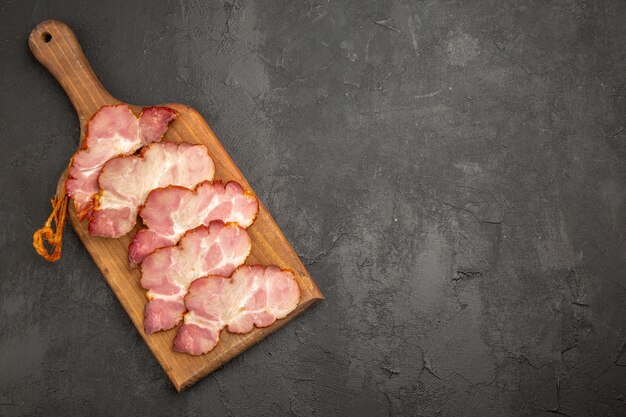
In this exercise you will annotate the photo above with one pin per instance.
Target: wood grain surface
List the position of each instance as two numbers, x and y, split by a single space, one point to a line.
56 47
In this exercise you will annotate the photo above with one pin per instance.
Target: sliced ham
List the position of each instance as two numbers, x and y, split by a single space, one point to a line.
169 212
254 296
112 131
125 182
216 249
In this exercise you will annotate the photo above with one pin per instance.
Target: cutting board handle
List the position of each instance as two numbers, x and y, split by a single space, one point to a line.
54 45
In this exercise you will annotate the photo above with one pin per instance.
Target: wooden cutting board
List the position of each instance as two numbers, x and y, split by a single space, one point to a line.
54 44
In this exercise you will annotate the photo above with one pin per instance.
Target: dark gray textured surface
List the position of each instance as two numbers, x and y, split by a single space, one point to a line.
454 178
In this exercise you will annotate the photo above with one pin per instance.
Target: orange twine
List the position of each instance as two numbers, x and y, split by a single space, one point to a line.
50 235
53 237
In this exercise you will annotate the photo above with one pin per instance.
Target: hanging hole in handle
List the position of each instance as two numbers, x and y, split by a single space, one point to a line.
46 37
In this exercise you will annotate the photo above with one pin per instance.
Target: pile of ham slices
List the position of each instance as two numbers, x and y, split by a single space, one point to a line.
194 245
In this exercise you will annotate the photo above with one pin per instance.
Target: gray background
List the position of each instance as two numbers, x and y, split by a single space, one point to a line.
453 178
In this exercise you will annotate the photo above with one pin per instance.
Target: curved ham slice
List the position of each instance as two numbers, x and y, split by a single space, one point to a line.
167 273
111 131
125 182
254 296
169 212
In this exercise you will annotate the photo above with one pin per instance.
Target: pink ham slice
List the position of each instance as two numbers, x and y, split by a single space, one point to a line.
125 182
112 131
254 296
167 273
169 212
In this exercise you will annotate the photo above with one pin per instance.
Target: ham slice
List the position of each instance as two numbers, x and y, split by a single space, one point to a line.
125 182
254 296
169 212
111 131
216 249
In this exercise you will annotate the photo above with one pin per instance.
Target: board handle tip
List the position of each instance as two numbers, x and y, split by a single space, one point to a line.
56 47
44 32
44 40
